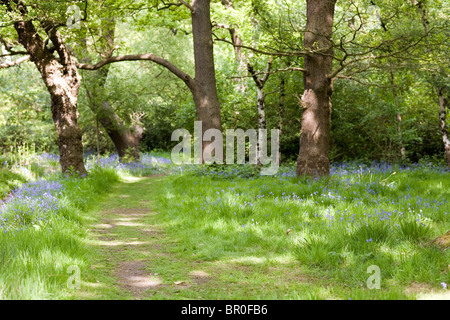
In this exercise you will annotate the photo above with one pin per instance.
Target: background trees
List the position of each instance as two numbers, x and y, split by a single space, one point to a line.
380 68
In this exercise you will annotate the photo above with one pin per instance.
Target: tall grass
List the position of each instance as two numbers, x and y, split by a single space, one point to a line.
43 233
338 226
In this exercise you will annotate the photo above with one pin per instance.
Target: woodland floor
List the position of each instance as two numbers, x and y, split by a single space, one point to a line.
136 258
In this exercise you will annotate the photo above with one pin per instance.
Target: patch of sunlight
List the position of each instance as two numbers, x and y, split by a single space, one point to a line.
308 202
127 218
219 224
199 273
124 196
85 296
23 172
298 237
434 295
129 224
130 179
103 226
169 195
256 229
92 284
114 243
57 259
231 199
249 260
330 211
285 258
142 281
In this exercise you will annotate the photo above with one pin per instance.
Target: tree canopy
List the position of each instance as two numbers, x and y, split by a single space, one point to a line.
353 80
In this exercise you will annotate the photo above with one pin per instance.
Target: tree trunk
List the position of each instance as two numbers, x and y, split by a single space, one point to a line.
204 91
126 140
398 114
62 81
443 105
281 111
203 85
261 105
261 122
313 159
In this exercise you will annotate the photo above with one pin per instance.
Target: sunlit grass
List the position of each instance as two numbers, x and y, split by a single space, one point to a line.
337 227
255 232
40 240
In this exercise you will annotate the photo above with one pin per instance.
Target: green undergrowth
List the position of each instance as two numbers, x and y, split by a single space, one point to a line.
41 241
335 228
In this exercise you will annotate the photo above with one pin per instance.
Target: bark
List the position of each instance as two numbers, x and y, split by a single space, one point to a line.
62 81
261 104
281 111
398 115
443 105
205 90
203 85
313 159
126 140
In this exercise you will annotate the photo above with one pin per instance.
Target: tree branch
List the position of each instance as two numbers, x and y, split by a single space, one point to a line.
281 54
139 57
14 63
271 72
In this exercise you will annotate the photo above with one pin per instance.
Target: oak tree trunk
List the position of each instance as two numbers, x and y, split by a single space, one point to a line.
62 81
126 140
313 159
204 91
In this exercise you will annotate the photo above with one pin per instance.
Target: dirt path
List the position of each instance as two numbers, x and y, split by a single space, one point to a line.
127 241
135 259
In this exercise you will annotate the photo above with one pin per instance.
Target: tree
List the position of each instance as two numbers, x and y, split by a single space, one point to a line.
436 70
60 76
331 51
203 85
126 139
313 159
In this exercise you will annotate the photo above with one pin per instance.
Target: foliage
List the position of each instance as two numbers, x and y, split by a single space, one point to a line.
361 215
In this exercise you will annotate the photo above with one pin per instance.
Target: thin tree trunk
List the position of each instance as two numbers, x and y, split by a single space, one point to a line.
443 105
261 105
235 38
313 159
62 81
281 111
398 114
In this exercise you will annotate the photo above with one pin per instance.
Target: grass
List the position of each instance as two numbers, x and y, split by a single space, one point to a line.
43 235
339 226
224 233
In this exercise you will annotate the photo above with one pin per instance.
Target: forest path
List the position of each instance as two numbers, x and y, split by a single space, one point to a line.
133 259
136 257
